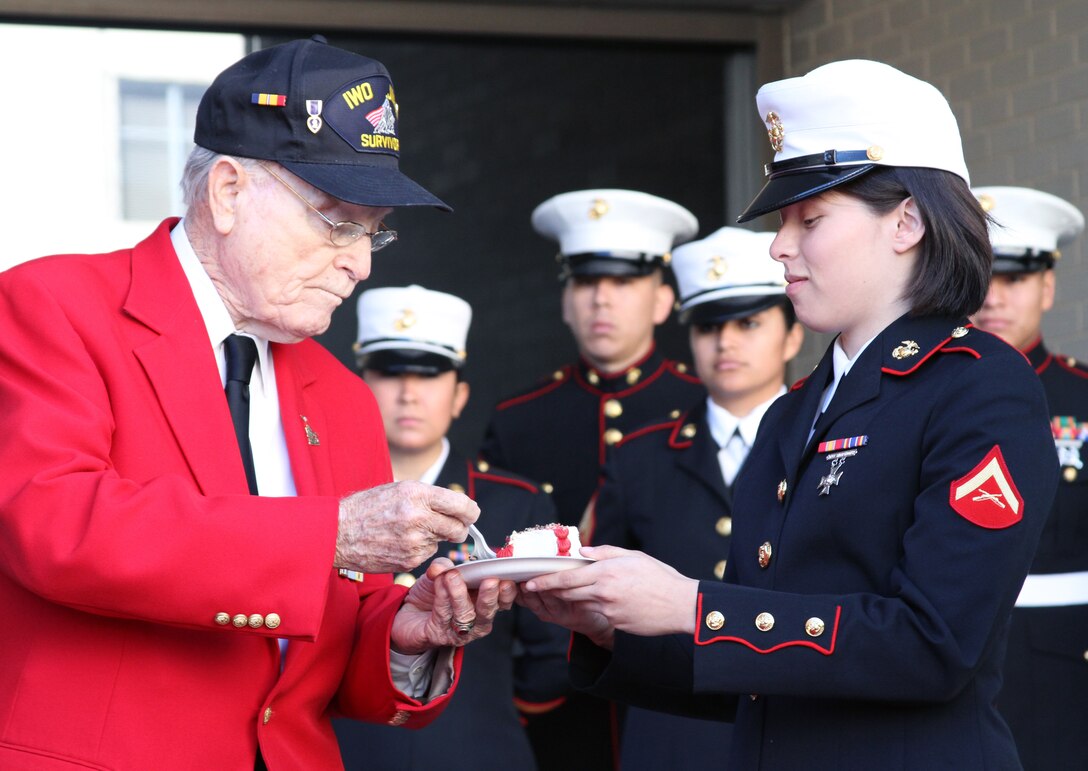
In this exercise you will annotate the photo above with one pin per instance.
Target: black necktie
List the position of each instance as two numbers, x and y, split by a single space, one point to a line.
241 356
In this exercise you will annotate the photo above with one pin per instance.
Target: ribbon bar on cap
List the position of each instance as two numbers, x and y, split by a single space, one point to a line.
816 160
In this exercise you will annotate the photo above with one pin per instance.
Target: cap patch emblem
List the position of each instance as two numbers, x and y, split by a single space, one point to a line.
406 321
384 118
313 109
776 131
269 100
358 94
365 115
599 209
718 268
986 496
905 350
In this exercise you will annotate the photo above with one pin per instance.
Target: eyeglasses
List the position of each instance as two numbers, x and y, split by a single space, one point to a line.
343 233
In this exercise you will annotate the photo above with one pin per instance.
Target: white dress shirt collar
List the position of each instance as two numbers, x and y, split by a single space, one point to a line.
213 311
723 423
841 365
430 476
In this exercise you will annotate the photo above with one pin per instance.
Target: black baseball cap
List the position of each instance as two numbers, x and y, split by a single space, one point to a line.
327 115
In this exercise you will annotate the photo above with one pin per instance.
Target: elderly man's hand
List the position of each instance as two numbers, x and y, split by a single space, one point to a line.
398 526
440 611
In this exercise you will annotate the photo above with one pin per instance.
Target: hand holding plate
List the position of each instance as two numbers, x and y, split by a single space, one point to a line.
440 611
632 591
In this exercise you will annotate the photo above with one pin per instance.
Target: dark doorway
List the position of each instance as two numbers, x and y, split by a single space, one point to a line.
494 127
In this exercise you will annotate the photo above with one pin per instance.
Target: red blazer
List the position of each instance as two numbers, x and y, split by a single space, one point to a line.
129 545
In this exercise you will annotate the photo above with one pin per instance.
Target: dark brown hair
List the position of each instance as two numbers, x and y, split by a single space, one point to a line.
952 274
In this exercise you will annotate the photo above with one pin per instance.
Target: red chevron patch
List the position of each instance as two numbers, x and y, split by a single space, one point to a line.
986 495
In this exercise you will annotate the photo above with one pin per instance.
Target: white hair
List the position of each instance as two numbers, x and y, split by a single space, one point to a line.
194 177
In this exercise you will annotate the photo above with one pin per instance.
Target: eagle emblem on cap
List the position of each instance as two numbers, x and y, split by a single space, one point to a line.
599 208
718 268
777 132
406 321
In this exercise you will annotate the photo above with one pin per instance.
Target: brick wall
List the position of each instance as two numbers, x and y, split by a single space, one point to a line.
1016 74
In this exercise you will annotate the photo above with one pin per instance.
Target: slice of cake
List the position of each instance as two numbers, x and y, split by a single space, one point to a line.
543 541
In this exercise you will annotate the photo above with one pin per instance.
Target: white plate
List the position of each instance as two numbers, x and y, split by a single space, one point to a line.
516 568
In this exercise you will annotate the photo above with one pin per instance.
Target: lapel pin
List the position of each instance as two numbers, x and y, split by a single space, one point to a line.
905 350
311 436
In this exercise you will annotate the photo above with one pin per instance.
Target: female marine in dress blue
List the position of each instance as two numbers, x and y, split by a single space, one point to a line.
891 504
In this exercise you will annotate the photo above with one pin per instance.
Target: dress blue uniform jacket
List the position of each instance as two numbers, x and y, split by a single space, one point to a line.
559 431
663 493
1045 698
481 724
865 628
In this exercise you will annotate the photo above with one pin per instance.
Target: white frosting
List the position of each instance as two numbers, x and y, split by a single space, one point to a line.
541 542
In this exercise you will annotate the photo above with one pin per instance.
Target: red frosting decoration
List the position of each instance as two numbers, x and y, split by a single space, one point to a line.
562 542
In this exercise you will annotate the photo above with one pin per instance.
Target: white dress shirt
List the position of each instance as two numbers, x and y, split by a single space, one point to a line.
735 435
270 459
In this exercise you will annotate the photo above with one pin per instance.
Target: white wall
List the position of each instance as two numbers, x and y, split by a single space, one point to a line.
59 177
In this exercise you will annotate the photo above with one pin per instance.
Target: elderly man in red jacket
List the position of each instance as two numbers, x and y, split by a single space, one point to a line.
181 590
